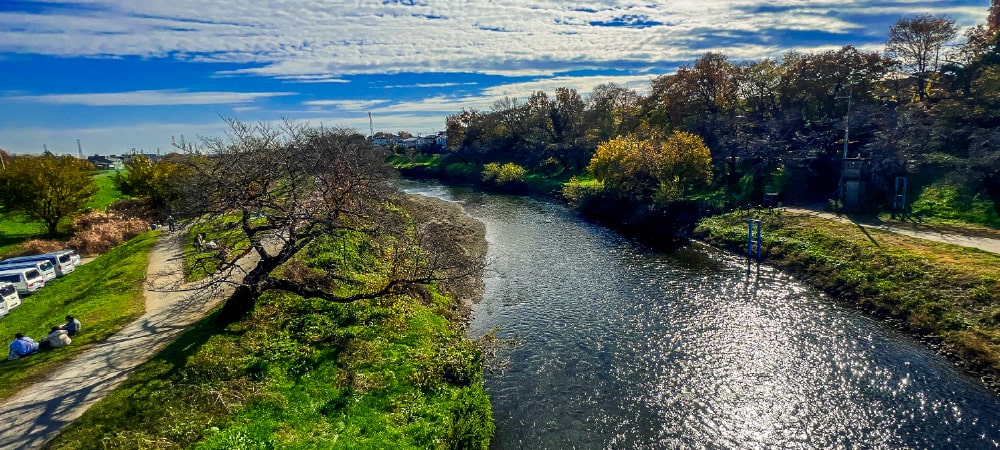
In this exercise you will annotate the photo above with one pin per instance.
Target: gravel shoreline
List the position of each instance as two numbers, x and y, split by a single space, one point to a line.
460 241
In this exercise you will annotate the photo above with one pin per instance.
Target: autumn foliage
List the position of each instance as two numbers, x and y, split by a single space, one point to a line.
98 232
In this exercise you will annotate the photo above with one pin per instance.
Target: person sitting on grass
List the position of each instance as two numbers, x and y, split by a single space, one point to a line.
72 325
57 338
22 346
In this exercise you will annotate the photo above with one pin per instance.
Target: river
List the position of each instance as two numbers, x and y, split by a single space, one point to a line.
619 346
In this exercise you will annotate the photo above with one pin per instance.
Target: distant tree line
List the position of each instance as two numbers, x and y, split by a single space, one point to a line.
927 108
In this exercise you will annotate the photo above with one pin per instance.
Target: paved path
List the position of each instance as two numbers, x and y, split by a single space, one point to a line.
983 243
36 414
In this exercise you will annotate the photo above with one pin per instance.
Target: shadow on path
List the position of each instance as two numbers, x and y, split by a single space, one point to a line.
36 414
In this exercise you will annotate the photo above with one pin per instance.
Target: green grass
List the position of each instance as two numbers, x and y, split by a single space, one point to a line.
15 229
305 374
107 193
225 232
105 294
933 289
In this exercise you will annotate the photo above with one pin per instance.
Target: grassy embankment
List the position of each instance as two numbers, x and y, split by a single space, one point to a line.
947 294
105 294
301 373
15 230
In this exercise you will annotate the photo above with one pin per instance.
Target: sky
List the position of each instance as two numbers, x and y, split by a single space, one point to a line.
119 75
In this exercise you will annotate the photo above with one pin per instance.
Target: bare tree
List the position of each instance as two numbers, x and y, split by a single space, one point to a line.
283 189
916 42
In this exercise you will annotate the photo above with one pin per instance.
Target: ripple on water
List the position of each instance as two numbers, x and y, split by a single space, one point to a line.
625 348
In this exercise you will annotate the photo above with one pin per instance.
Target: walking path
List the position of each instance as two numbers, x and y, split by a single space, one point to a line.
988 244
36 414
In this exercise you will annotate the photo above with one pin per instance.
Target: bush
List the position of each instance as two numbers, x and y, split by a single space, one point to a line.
551 167
98 232
131 209
579 193
948 202
504 175
38 246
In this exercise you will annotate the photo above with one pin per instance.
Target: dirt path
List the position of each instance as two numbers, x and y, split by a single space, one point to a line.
984 243
36 414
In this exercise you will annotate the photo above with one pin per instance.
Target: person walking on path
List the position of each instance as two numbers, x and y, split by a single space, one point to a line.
170 223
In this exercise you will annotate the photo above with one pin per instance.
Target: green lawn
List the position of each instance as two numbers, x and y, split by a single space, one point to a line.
15 230
105 294
107 192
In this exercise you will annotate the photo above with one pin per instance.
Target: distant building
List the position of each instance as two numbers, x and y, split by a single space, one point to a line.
101 162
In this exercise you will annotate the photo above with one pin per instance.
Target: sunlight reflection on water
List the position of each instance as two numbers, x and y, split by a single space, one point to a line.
625 348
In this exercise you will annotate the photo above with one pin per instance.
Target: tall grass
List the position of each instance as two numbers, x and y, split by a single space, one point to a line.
950 204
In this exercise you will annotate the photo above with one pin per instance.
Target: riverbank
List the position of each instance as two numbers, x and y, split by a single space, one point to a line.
948 296
308 373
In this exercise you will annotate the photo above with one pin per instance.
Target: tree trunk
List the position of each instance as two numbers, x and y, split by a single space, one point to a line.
53 228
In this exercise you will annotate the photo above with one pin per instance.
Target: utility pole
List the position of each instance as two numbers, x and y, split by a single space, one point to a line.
842 197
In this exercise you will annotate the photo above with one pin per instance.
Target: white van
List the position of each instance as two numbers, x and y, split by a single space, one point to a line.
43 265
25 281
10 299
74 258
63 264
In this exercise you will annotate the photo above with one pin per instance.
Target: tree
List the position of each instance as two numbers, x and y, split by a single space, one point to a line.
624 164
46 188
659 169
286 189
916 42
682 164
150 180
613 111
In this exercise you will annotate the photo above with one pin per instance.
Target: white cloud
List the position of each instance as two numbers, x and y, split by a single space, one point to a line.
319 41
149 98
428 85
350 105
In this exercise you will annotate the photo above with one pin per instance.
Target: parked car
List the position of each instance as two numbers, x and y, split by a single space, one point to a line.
76 256
44 266
8 298
25 280
62 263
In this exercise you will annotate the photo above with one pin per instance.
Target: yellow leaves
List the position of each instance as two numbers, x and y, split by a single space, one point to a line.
502 175
663 169
622 163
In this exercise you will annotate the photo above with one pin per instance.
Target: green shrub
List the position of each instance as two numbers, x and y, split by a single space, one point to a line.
951 203
505 175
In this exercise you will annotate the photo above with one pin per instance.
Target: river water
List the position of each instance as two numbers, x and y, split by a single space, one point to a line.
622 347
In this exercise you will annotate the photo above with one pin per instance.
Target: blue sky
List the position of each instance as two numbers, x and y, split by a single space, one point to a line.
124 74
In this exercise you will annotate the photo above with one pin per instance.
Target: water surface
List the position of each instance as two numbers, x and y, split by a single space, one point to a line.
623 347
